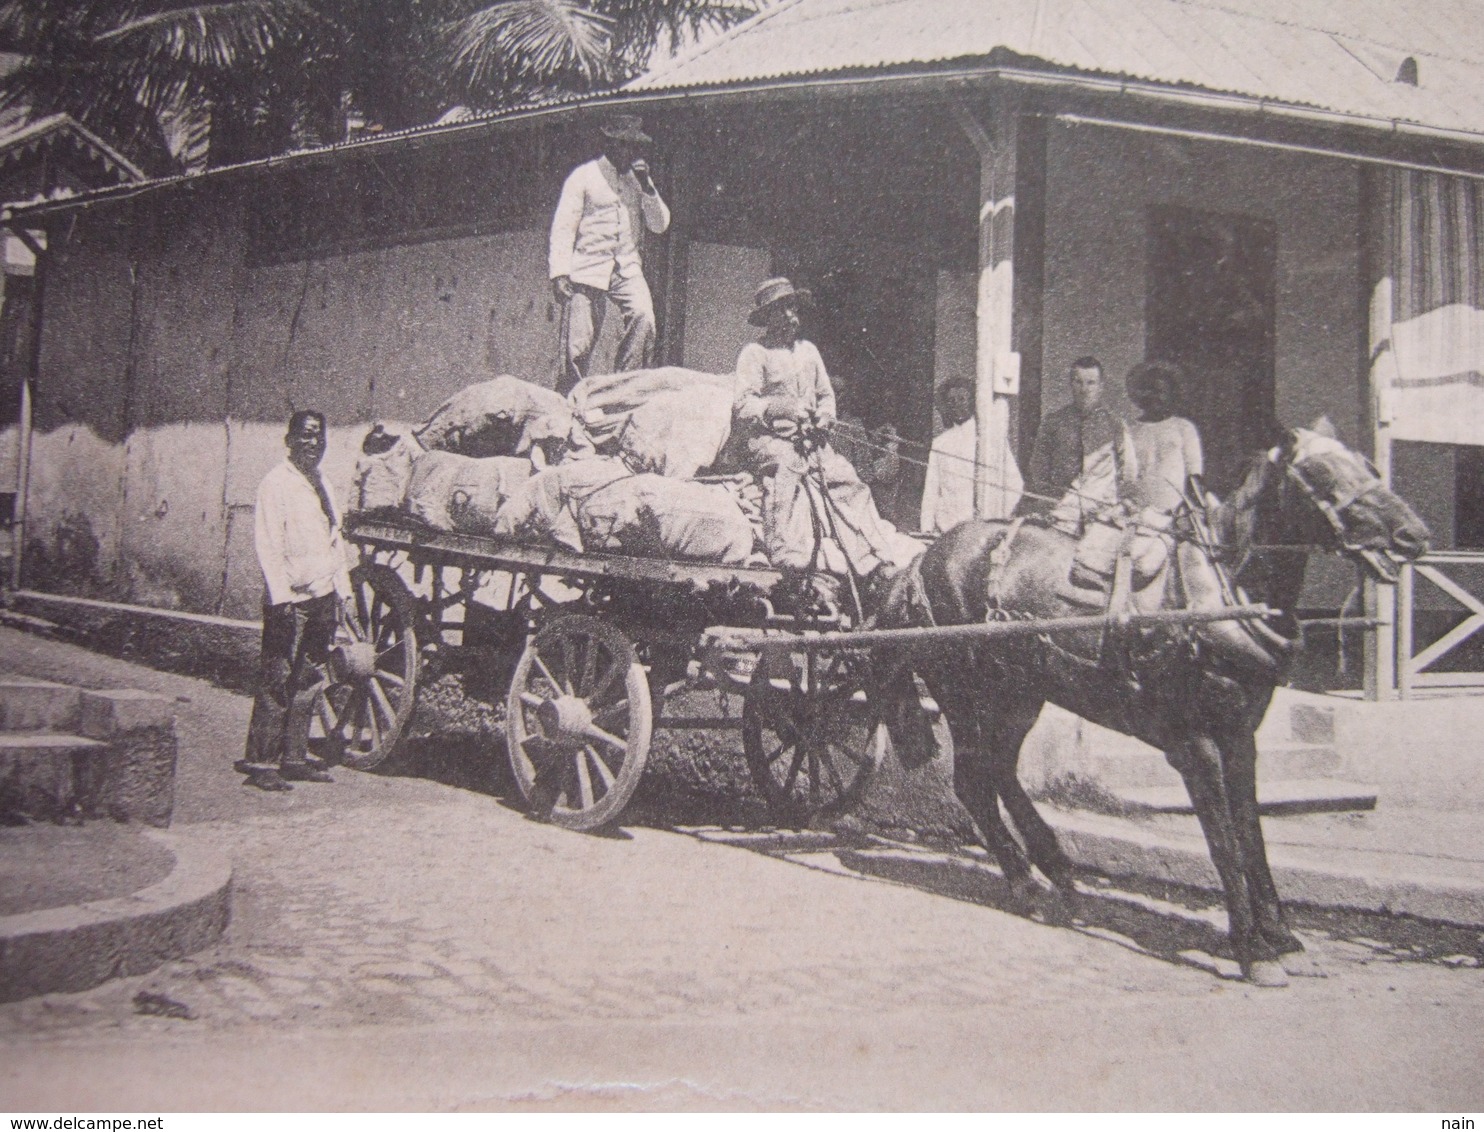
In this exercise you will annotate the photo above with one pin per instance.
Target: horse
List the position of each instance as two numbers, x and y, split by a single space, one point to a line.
1195 693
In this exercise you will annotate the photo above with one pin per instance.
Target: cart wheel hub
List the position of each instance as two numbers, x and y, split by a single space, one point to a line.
564 719
357 659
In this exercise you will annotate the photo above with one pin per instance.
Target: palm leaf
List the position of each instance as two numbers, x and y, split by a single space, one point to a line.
524 44
219 36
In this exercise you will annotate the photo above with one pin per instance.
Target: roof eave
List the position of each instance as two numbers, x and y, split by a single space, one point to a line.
949 75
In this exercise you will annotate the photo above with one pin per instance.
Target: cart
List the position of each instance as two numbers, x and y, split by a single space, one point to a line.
591 651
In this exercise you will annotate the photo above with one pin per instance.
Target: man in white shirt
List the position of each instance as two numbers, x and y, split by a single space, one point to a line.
594 255
948 489
302 554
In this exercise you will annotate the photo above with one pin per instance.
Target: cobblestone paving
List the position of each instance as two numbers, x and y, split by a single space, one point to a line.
435 911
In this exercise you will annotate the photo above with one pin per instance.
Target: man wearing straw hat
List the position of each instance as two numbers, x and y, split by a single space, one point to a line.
782 386
594 254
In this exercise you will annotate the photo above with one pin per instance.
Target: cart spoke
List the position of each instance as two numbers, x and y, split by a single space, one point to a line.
345 722
589 670
612 711
390 677
849 752
595 732
793 770
835 778
531 699
615 671
569 662
546 672
375 726
584 781
326 714
814 783
605 772
379 698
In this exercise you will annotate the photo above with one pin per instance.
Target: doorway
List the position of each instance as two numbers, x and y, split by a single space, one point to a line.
1210 309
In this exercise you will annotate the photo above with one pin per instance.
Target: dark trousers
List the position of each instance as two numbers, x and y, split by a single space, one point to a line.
296 643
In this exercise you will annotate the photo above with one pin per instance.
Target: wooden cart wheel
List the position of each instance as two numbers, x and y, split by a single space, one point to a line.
578 722
367 706
811 739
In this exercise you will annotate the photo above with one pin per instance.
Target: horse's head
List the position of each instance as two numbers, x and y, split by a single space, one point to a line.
1350 509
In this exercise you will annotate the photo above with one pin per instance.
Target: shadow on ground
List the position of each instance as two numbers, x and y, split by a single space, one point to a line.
1178 925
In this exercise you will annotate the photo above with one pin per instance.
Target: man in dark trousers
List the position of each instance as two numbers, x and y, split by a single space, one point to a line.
305 579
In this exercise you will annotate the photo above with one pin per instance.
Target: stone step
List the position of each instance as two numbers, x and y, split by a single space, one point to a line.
1291 796
1128 762
38 705
48 775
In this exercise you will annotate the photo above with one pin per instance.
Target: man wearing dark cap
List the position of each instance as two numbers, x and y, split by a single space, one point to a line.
594 257
297 534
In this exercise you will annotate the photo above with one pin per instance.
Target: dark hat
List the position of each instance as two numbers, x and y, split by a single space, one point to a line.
773 291
626 128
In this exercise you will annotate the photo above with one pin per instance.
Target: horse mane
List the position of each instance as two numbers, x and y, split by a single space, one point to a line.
1235 518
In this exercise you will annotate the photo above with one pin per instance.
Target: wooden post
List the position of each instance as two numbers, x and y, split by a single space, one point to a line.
997 366
36 242
1376 203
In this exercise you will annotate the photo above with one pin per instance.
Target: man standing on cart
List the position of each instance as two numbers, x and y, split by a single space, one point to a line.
300 549
783 392
594 255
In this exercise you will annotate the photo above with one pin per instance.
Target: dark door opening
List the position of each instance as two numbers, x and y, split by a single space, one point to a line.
1212 285
873 323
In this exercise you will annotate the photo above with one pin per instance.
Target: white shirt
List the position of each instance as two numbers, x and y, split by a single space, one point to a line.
302 554
948 489
797 371
595 232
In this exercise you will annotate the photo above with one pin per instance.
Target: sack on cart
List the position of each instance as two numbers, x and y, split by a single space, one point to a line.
670 421
545 507
460 493
383 470
503 417
653 516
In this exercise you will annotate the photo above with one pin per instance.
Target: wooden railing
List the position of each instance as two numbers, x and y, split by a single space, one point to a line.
1430 591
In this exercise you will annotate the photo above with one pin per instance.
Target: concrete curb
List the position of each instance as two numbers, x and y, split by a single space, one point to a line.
81 945
1123 848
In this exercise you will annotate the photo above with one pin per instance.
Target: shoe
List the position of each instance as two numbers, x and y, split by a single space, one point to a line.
304 772
268 780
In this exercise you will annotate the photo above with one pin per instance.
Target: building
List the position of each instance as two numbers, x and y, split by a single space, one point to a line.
1284 198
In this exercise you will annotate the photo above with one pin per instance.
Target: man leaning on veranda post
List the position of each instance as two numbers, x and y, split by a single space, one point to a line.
948 488
594 254
305 579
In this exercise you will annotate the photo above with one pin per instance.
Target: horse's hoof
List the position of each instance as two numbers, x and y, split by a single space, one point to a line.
1265 973
1302 965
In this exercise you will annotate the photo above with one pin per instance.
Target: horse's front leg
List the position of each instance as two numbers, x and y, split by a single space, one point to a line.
1007 725
1198 759
973 781
1239 771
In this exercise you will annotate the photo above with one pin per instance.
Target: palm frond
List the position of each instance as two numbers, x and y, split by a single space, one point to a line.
524 44
219 35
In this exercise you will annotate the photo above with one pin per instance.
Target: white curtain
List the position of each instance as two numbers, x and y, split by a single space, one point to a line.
1436 369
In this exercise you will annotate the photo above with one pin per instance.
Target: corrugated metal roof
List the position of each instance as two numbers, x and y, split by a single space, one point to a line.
1340 56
